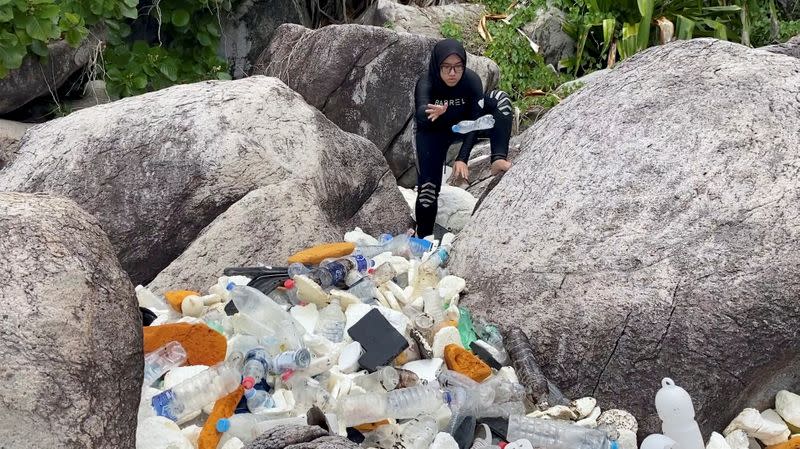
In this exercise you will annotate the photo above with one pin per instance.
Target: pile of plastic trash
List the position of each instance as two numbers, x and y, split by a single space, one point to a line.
365 338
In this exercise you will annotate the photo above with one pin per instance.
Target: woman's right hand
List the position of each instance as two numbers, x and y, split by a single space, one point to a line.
434 111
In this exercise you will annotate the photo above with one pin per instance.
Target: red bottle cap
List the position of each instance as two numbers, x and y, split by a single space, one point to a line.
248 382
289 283
502 444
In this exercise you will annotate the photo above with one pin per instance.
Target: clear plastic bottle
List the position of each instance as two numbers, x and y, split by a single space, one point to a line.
355 409
412 402
401 245
364 289
433 305
437 259
554 434
291 361
419 432
384 379
241 426
197 391
385 272
501 410
467 126
265 312
258 401
256 366
308 392
163 359
331 322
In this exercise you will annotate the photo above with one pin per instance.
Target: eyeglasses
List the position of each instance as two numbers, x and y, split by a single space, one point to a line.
458 68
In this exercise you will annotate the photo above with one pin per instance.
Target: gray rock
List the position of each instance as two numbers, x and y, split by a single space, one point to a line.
260 230
32 79
284 436
157 168
647 229
331 442
554 43
247 30
10 135
425 21
791 8
570 87
789 48
362 78
70 333
94 93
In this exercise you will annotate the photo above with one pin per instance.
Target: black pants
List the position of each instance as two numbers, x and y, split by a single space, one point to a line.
432 149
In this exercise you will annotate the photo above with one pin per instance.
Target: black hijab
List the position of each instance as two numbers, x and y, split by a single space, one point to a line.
441 51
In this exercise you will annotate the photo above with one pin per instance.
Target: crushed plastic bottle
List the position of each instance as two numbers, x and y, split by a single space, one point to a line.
299 359
554 434
197 391
419 432
163 359
385 379
402 245
481 123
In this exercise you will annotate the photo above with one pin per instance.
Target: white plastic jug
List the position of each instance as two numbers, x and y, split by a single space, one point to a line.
675 408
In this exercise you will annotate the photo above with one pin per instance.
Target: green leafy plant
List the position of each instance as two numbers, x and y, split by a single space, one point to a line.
388 24
452 30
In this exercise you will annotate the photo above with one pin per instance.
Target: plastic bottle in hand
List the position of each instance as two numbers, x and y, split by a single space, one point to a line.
331 322
467 126
258 401
256 366
554 434
197 391
163 359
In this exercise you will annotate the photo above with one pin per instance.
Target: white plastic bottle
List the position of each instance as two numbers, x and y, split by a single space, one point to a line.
412 402
163 359
197 391
675 408
433 305
467 126
331 322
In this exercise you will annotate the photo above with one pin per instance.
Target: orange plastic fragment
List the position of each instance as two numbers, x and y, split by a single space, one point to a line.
175 298
466 363
203 345
316 254
793 443
369 427
223 408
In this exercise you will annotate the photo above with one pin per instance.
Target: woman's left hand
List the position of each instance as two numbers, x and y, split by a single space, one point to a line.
460 171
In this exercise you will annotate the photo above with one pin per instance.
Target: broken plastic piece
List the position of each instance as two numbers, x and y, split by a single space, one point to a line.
381 342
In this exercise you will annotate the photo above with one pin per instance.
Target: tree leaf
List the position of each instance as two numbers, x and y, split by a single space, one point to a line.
180 17
48 11
170 69
4 2
11 57
204 39
74 36
685 28
128 11
38 29
6 14
132 3
213 29
224 76
608 32
39 48
140 81
646 9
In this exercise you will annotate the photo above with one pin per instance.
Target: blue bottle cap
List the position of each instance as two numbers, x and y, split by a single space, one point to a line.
223 425
230 286
614 444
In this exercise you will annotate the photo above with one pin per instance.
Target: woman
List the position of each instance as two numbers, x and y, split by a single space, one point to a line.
446 95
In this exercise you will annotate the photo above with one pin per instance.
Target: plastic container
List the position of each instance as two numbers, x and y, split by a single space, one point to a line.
675 408
385 272
258 401
467 126
401 245
241 426
353 410
197 391
554 434
256 366
163 359
308 392
331 322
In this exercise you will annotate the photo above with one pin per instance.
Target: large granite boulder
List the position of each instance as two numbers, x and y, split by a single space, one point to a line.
247 30
426 21
157 168
546 30
71 332
648 229
10 134
362 78
34 79
789 48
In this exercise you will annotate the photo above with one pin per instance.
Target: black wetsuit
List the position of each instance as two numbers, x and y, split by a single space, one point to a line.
465 101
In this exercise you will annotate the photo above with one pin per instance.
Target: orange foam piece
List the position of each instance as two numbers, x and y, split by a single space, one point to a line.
203 345
175 298
460 360
316 254
223 408
793 443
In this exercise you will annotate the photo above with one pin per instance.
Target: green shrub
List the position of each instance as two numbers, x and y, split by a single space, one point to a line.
452 30
185 52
